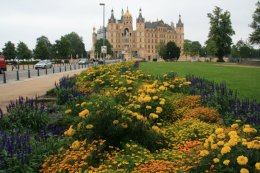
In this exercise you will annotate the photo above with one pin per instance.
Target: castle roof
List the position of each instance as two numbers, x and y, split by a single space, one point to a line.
156 24
140 17
127 13
179 24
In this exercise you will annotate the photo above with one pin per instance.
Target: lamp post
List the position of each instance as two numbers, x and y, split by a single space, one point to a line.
103 29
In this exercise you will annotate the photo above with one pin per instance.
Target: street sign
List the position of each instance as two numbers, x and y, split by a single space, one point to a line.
103 49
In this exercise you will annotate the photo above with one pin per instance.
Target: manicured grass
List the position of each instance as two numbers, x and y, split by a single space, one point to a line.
246 80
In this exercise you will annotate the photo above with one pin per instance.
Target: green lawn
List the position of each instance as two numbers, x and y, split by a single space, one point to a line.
246 80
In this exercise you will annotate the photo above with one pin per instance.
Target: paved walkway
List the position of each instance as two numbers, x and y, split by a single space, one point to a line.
32 87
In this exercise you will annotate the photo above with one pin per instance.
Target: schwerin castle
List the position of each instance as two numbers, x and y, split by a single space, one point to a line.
128 43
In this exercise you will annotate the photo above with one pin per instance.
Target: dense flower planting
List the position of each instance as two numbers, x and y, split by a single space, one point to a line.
115 118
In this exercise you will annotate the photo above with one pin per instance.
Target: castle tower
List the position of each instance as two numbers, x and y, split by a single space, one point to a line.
140 33
180 33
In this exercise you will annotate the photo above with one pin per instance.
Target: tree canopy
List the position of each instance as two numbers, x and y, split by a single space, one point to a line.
220 32
63 48
9 51
169 52
77 47
99 44
254 37
191 48
43 48
23 52
243 49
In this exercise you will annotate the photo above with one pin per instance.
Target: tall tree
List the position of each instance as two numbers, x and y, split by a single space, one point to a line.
186 47
254 37
77 45
172 52
99 44
9 51
220 32
43 48
161 49
23 52
63 48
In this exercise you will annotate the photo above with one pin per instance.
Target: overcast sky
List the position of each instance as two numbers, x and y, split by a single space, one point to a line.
26 20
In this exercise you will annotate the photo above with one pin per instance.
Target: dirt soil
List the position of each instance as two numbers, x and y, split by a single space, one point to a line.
31 88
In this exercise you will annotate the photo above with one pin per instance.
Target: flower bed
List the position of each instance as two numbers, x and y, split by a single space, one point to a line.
114 118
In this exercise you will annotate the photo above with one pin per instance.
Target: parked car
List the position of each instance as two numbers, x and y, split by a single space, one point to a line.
43 64
83 61
2 63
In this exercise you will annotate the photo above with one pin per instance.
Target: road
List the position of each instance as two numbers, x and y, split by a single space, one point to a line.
25 72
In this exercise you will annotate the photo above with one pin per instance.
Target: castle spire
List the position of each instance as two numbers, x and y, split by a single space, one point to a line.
112 18
140 17
179 24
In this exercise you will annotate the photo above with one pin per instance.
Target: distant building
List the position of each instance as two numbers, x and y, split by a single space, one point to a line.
142 42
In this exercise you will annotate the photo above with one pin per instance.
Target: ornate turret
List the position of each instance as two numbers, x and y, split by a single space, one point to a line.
140 17
127 14
122 14
112 18
179 24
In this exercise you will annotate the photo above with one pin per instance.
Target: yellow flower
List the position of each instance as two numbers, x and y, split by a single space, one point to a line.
215 160
238 121
77 105
75 145
70 131
242 160
225 149
68 111
226 162
148 107
124 125
159 110
204 153
89 126
83 104
219 130
156 129
249 130
153 116
221 136
115 122
257 166
162 88
234 126
162 102
186 83
214 146
172 86
232 133
84 113
220 143
244 170
79 126
155 97
129 81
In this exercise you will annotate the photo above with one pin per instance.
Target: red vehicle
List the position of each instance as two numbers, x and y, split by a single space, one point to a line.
2 63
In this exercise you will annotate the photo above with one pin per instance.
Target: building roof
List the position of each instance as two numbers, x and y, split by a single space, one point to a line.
156 24
179 24
140 17
127 13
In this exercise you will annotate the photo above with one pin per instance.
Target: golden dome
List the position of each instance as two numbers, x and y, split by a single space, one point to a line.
127 14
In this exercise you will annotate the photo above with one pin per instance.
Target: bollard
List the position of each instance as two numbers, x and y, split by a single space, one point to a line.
70 66
60 68
53 70
82 65
17 75
38 72
4 77
29 74
46 71
65 67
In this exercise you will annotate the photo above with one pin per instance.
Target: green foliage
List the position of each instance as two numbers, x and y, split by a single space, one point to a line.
254 37
77 47
220 32
63 47
9 51
161 49
244 50
188 130
170 51
191 48
23 52
27 116
98 45
43 48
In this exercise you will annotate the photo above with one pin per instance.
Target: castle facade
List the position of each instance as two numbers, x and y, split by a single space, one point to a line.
142 42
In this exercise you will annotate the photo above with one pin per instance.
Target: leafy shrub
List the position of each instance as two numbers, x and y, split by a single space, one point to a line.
231 150
25 113
205 114
188 130
81 156
102 118
154 166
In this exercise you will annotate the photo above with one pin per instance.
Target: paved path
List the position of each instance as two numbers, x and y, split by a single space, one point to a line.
30 87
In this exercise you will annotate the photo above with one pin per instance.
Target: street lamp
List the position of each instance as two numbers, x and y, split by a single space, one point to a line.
103 4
